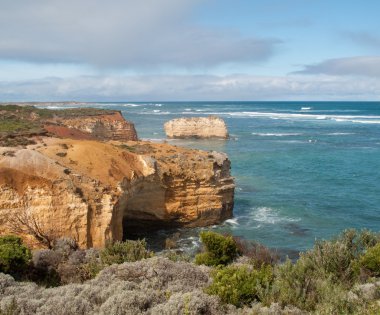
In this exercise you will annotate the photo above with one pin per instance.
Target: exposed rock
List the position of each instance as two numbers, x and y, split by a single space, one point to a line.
105 127
368 291
92 190
196 127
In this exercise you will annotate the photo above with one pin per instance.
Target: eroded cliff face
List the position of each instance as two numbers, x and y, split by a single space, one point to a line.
196 127
106 127
93 191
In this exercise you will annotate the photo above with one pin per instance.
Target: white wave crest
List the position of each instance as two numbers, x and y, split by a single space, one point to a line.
233 221
131 105
339 133
370 119
271 216
275 134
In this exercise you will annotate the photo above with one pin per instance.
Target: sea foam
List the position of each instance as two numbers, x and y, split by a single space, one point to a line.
270 216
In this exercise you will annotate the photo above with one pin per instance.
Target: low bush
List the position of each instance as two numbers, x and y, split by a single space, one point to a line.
241 285
176 255
338 258
257 253
219 249
128 251
14 255
370 261
322 277
65 263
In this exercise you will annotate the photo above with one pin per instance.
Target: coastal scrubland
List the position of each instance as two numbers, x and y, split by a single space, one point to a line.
228 276
18 124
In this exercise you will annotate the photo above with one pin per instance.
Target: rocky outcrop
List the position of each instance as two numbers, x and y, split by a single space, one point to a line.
105 127
196 127
95 191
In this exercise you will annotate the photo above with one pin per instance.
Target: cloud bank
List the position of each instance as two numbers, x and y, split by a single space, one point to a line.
191 87
120 33
353 66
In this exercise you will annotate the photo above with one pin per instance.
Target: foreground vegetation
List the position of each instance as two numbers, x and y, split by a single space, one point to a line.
232 277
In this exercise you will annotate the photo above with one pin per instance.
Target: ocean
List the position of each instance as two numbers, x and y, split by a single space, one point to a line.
304 170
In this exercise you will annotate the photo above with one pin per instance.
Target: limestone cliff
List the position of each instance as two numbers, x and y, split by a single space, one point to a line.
93 191
196 127
106 127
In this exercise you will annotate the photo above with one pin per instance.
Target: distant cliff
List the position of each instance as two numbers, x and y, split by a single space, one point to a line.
19 123
196 127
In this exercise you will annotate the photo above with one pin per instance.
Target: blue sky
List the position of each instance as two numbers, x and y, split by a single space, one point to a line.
123 50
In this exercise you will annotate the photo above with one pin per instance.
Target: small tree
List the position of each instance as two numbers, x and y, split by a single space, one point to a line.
26 223
14 255
220 250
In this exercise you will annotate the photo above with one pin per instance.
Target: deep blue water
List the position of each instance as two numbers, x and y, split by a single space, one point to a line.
301 174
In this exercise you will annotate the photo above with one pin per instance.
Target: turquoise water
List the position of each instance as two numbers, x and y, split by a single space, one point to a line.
303 170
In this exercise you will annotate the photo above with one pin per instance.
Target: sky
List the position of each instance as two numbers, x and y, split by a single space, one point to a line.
183 50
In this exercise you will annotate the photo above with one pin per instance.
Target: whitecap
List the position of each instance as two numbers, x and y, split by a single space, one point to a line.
271 216
276 134
131 105
153 139
303 116
233 221
367 121
339 133
58 107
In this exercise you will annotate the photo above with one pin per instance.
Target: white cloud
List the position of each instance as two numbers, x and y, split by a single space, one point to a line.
192 87
133 34
351 66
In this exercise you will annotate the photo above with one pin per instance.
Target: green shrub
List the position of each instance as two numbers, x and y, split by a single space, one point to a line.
240 285
371 260
89 270
220 250
321 278
298 284
177 256
128 251
14 256
339 257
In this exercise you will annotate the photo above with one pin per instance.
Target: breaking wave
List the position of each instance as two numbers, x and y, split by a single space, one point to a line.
275 134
